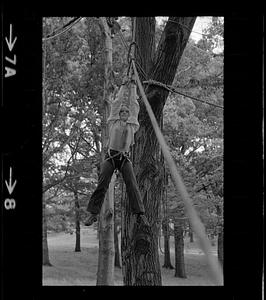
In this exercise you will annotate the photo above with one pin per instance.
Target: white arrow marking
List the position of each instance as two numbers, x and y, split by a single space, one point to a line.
10 44
9 186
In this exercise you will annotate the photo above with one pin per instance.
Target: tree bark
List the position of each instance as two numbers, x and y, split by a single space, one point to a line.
139 262
45 249
140 244
167 255
105 274
191 236
77 219
179 251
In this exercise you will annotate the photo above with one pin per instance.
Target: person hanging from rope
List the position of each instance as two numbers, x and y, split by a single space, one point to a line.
123 123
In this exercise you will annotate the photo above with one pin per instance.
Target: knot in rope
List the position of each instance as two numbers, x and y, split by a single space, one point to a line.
130 56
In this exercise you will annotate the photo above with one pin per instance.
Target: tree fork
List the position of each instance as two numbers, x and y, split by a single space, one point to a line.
146 149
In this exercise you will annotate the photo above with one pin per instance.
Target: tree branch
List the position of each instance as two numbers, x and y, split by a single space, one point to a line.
145 41
57 149
63 29
170 49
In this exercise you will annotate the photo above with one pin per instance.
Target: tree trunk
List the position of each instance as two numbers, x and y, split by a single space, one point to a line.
139 244
105 274
45 249
77 247
191 236
139 262
220 246
167 255
179 251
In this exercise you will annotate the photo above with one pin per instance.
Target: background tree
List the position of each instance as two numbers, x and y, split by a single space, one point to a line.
179 248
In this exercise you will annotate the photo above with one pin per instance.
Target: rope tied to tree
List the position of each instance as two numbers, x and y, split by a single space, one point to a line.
150 81
196 223
172 89
130 54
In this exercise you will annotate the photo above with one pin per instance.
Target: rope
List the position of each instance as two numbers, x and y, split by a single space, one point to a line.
133 37
129 55
123 40
143 73
203 51
186 27
127 49
67 27
207 35
197 225
172 89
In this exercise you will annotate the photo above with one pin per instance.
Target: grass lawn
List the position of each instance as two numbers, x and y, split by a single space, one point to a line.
80 268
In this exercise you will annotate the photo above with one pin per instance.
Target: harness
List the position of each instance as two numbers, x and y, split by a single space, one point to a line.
123 156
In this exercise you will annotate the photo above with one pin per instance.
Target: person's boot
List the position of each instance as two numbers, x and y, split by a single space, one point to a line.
91 218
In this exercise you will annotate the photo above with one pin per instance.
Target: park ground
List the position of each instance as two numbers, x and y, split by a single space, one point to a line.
80 268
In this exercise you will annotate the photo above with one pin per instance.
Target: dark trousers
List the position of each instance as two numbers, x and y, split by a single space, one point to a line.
124 165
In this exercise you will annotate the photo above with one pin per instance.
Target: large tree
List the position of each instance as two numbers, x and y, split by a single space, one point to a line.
139 242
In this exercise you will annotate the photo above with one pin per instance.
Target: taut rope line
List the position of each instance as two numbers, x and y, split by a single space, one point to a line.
172 89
